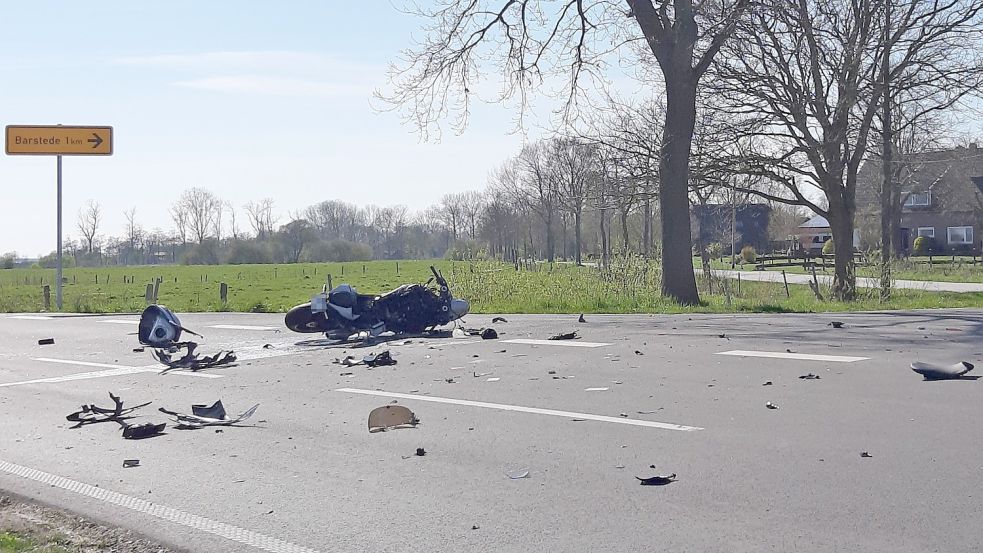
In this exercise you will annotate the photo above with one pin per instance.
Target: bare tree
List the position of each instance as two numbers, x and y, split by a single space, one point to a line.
533 40
89 218
198 207
531 185
233 226
261 217
452 212
471 203
217 220
574 173
180 219
133 231
294 236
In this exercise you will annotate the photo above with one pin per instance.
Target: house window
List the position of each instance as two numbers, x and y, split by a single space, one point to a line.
928 232
918 199
960 235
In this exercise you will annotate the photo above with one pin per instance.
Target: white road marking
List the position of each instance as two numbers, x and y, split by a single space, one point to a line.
120 321
521 409
112 370
243 327
786 355
570 343
30 317
170 514
596 389
493 379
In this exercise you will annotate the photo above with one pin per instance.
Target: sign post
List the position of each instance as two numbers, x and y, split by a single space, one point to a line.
58 140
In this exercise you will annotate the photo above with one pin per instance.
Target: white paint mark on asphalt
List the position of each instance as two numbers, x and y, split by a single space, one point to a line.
570 343
596 389
170 514
521 409
112 370
787 355
120 321
243 327
493 379
30 317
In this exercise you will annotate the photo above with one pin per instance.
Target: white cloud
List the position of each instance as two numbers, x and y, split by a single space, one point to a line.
276 86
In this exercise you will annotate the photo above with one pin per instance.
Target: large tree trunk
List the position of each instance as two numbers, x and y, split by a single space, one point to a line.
577 216
624 230
647 225
844 276
678 278
604 238
887 169
550 241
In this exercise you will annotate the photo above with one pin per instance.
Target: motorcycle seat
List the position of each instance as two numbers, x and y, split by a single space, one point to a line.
345 295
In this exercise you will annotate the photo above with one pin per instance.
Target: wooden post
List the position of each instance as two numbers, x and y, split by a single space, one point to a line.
397 267
149 296
787 295
363 269
46 290
738 284
156 290
223 293
329 282
274 272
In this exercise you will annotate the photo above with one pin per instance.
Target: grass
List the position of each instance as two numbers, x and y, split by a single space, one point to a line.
628 286
11 542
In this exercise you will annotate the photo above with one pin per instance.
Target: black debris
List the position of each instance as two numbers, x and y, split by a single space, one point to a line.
141 431
140 349
836 324
638 352
420 452
89 414
489 334
267 346
499 320
379 360
474 526
657 480
581 319
192 360
213 411
809 376
767 383
567 336
46 341
771 405
203 416
127 463
865 454
721 336
551 372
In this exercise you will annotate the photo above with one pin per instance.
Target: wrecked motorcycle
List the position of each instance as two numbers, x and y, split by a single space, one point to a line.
411 308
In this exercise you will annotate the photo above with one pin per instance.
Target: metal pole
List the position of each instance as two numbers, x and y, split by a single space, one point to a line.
58 270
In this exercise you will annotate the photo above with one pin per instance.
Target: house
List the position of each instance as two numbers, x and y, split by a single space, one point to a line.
746 224
941 199
815 232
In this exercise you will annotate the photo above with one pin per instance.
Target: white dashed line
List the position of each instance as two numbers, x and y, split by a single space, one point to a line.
787 355
170 514
521 409
111 370
120 321
243 327
30 317
569 343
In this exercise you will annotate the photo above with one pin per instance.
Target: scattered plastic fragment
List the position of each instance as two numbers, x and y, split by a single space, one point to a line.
657 480
203 416
267 346
932 371
566 336
836 324
46 341
127 463
379 360
596 389
638 352
865 454
140 349
420 452
767 383
581 319
141 431
499 320
89 414
192 360
771 405
391 416
489 334
809 376
518 474
346 374
493 379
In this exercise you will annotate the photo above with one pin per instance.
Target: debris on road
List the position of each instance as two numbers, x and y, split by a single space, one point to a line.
865 454
657 480
771 405
596 389
160 329
379 360
90 414
127 463
348 361
267 346
420 452
489 334
932 371
46 341
581 319
836 324
567 336
140 349
192 360
767 383
638 352
518 474
203 416
498 320
391 416
141 431
809 376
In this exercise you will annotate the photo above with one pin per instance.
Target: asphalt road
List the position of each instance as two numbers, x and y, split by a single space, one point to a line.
308 476
862 282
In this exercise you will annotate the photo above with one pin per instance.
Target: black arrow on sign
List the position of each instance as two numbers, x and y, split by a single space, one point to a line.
95 141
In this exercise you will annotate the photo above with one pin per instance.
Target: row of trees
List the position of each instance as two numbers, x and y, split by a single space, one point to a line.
806 87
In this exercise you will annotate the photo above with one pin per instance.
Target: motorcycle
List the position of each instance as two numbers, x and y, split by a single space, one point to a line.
411 308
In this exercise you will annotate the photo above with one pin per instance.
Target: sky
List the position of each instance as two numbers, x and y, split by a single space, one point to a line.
248 99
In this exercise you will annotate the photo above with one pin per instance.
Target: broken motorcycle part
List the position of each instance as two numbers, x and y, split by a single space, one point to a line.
141 431
581 319
932 371
192 360
498 320
809 376
865 454
489 334
46 341
379 360
836 324
567 336
89 414
195 421
420 452
391 416
127 463
159 327
771 405
657 480
518 474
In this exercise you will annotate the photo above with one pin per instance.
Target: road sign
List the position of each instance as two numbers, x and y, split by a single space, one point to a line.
59 140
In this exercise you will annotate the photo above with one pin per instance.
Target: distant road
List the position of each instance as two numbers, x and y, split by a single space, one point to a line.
862 282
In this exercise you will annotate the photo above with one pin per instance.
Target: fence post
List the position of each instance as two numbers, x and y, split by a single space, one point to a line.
787 295
223 293
46 290
329 282
738 284
156 289
150 293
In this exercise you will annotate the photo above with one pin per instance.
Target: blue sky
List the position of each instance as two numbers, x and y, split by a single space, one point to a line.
248 99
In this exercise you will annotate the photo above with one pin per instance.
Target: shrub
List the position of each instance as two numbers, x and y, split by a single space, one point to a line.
922 245
828 247
338 250
245 252
748 254
715 250
202 254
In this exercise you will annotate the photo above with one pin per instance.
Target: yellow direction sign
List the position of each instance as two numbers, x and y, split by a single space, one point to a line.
59 140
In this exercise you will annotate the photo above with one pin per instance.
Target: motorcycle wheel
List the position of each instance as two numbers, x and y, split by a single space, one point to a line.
302 319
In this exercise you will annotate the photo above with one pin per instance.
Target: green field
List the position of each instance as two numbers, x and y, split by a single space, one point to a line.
627 287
